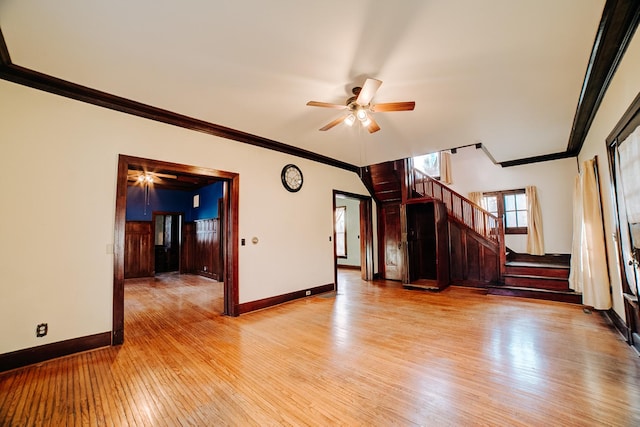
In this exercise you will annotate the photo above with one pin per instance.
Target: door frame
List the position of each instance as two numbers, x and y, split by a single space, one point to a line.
629 121
229 230
366 235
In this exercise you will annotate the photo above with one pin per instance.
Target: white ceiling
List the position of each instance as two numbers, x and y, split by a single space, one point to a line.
506 73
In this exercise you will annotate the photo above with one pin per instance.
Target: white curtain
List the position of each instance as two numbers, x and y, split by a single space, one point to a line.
445 168
589 273
476 197
535 238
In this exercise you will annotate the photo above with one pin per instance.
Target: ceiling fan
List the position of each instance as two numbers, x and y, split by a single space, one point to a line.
359 107
143 177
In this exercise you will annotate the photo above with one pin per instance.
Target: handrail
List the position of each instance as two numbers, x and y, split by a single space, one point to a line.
459 207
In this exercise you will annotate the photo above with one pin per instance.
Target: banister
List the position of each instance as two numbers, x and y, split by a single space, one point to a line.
468 213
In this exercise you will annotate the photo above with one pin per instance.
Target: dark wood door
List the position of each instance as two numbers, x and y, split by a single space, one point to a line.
392 242
167 242
427 245
421 243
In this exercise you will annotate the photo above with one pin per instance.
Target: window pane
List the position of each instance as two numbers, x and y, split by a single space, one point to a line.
509 202
521 201
511 219
340 214
522 219
429 164
341 245
341 241
492 204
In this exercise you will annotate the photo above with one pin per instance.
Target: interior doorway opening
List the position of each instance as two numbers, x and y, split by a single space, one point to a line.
353 222
172 229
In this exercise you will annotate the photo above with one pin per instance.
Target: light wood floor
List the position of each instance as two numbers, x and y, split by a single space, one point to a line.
374 354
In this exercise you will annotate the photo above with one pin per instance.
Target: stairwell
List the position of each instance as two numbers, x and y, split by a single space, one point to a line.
499 270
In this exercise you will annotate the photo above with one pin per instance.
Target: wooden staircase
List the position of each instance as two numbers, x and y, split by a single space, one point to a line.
477 250
541 277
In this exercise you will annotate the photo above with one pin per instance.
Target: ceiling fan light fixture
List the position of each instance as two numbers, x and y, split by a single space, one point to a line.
360 107
146 178
350 119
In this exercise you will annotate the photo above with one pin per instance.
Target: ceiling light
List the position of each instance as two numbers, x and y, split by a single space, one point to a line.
366 122
361 114
350 119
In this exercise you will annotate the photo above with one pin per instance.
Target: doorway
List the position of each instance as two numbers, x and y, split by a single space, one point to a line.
624 160
361 207
229 230
167 235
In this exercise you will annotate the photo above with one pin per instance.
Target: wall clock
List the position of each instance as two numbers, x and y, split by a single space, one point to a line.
291 178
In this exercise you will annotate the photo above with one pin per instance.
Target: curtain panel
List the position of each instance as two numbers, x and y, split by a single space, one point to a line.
535 238
476 197
445 168
589 270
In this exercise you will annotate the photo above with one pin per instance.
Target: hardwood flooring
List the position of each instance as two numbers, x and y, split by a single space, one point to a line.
374 354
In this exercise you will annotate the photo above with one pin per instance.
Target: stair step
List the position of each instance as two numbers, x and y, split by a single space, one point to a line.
540 272
537 282
544 294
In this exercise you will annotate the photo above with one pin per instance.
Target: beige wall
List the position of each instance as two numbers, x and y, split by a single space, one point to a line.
624 87
474 171
58 173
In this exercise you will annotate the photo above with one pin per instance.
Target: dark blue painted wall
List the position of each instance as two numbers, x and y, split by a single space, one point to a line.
173 201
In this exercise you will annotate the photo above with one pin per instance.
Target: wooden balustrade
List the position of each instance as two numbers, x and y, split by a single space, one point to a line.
460 208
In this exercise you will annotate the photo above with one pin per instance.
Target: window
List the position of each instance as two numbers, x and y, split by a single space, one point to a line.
511 206
429 164
341 231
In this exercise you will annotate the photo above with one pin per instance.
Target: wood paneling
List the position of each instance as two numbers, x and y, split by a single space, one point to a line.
374 354
138 249
188 261
393 258
208 260
385 181
473 261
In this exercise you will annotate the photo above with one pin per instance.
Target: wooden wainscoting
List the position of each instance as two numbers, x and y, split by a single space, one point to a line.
138 249
207 254
474 261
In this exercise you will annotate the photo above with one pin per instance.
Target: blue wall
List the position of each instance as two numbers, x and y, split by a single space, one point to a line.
173 201
209 196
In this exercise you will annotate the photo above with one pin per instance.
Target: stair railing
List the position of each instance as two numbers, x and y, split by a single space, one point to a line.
460 208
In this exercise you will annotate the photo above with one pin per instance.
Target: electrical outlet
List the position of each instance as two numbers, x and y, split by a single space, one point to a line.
307 293
42 329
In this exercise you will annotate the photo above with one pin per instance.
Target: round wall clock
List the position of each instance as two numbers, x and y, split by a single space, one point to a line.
291 178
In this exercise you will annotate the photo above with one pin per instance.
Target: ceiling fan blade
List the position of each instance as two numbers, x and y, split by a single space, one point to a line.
325 105
368 91
373 126
393 106
334 123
